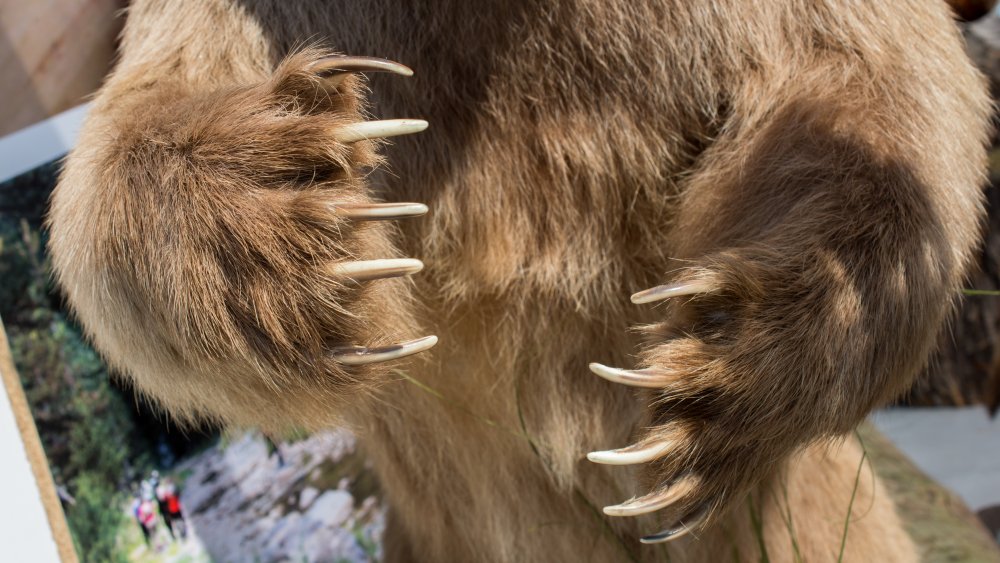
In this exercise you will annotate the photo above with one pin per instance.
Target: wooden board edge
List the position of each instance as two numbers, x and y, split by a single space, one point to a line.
36 455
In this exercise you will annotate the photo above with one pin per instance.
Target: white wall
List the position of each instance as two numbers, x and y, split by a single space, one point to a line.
958 447
40 143
25 534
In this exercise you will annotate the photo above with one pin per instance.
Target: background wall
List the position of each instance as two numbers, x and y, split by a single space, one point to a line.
53 53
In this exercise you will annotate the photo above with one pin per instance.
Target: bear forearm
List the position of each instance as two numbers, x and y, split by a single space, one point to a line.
828 276
819 244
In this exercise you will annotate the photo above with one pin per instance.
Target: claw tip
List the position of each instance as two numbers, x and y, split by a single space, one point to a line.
661 292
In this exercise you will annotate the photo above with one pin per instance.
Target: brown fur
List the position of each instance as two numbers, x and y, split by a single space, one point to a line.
818 165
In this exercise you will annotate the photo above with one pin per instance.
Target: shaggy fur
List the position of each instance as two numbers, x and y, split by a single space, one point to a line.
809 158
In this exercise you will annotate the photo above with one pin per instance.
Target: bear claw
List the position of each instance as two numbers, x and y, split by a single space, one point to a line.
678 531
634 378
653 501
359 355
379 211
637 453
336 68
661 292
367 270
378 129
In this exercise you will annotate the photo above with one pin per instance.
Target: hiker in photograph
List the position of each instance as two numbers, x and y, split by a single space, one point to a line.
145 515
136 505
168 499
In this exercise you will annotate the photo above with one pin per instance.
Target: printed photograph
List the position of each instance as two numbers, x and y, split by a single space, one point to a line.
499 281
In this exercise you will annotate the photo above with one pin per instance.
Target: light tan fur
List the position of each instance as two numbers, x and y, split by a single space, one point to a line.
818 161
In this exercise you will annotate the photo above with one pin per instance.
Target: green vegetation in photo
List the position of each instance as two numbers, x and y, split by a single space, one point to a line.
85 423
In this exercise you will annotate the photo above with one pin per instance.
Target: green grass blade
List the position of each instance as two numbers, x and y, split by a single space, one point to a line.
850 506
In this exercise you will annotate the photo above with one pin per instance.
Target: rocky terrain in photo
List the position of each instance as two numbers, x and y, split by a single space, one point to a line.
317 501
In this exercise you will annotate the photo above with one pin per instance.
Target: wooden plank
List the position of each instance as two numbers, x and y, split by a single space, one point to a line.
53 54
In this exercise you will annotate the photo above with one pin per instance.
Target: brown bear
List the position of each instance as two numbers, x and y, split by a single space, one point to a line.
789 190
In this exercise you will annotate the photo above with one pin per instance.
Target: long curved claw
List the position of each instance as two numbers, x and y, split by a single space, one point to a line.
367 270
638 453
651 502
683 528
378 129
379 211
360 64
636 378
359 355
661 292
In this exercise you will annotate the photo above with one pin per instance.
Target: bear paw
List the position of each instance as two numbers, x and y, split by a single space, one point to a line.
221 246
740 377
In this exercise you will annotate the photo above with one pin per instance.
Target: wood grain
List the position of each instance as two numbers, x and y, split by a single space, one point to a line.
53 54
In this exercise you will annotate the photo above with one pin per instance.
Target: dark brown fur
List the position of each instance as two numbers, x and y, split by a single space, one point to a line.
820 167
